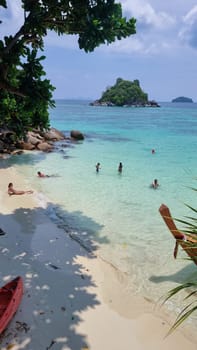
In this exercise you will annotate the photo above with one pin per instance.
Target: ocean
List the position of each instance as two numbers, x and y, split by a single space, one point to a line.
116 214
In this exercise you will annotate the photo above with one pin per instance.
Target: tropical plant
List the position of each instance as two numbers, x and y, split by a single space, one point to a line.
190 223
189 308
24 95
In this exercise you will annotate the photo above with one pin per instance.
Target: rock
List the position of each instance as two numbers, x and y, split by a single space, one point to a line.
53 135
6 134
2 156
25 145
17 152
77 135
103 104
153 104
2 146
45 147
35 134
33 139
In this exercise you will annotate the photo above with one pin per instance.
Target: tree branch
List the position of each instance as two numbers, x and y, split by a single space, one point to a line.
13 41
11 89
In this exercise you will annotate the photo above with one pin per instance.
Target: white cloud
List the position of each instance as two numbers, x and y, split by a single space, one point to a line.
145 14
191 16
156 29
137 45
12 18
188 33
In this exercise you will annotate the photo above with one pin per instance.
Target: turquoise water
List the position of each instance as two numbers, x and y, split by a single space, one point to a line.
118 213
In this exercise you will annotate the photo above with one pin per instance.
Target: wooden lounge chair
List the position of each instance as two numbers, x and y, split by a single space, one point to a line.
187 242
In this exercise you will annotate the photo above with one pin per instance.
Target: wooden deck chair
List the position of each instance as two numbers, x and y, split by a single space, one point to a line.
187 242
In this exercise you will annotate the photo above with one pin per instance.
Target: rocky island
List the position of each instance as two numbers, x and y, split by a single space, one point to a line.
125 93
182 99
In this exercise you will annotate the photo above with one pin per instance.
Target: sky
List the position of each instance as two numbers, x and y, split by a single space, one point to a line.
162 55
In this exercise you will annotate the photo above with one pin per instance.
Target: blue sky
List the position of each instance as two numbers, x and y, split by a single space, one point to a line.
162 55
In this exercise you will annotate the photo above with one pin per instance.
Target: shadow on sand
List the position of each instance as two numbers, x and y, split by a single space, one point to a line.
55 284
186 274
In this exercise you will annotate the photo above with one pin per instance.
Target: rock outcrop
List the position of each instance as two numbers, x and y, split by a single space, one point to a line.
125 93
34 140
76 135
110 104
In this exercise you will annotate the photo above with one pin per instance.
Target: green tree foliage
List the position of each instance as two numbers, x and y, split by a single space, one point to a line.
125 92
19 112
24 95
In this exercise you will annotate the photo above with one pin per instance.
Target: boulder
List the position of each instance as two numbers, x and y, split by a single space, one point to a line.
77 135
35 134
45 147
2 146
33 139
26 146
53 135
17 152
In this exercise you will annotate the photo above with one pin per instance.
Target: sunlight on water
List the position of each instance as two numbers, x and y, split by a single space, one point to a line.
119 212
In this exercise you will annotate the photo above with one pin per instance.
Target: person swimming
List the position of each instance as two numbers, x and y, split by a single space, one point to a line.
120 167
41 174
98 167
44 175
155 184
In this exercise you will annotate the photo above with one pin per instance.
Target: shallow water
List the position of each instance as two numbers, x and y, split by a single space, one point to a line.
118 213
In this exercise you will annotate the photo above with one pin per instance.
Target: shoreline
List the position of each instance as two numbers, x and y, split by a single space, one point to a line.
72 298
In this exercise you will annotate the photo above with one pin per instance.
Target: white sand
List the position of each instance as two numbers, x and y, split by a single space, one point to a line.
72 300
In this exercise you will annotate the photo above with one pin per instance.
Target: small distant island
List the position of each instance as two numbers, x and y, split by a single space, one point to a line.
182 99
125 93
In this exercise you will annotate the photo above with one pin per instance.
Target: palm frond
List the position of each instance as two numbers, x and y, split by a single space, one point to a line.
177 289
193 188
185 222
190 229
180 319
191 294
191 218
188 206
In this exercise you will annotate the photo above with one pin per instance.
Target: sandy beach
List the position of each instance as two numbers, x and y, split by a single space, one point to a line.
72 299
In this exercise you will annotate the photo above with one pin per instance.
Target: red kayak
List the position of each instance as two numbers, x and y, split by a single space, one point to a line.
10 298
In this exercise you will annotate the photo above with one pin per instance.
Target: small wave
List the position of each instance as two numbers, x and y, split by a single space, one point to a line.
41 199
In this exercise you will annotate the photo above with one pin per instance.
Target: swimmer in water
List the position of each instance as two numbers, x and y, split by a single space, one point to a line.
41 174
155 184
120 167
98 167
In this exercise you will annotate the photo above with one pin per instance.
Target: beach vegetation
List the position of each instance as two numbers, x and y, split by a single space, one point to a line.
19 112
190 287
25 94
